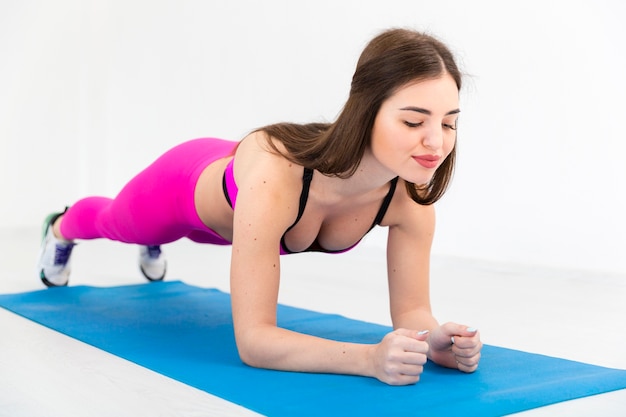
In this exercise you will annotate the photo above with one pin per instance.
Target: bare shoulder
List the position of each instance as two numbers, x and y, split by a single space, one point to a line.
268 182
254 144
255 154
404 213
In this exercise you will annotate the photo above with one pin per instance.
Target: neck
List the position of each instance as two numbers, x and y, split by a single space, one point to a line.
369 175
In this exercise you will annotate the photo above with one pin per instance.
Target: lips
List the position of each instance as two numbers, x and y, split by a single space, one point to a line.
427 161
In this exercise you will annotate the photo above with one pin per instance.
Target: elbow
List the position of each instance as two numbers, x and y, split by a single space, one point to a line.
250 353
248 357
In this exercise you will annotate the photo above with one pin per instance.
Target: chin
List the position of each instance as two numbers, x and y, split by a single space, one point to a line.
419 180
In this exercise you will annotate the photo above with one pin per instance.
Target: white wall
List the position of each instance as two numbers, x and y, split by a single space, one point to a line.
91 91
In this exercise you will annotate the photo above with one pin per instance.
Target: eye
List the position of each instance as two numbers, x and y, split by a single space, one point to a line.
409 124
449 126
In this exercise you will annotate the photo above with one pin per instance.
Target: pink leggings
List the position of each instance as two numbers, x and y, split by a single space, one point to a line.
155 207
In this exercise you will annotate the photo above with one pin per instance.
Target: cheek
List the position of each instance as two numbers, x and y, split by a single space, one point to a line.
449 143
384 144
381 135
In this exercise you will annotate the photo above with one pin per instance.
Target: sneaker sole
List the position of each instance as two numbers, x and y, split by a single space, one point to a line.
153 279
48 283
47 223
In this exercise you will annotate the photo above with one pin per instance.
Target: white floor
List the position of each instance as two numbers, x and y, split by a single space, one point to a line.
570 314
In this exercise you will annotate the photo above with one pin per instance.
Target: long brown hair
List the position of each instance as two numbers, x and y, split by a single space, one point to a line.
391 60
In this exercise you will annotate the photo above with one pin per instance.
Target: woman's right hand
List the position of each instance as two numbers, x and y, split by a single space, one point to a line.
400 357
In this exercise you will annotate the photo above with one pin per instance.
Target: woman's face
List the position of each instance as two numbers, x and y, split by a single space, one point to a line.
415 129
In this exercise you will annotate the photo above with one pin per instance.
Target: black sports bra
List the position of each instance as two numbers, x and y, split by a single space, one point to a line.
230 192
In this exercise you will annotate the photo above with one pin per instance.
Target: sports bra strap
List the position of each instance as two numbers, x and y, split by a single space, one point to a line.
385 205
307 176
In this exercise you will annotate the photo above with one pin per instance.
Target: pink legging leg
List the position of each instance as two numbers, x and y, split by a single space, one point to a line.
155 207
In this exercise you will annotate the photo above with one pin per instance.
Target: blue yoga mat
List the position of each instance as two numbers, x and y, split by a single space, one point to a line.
186 333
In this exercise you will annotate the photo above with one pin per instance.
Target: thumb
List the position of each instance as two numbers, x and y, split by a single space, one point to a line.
418 335
468 331
422 335
453 329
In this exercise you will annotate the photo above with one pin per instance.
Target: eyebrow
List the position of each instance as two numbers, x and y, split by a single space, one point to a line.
428 112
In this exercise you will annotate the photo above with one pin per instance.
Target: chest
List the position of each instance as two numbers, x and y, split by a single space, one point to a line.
333 225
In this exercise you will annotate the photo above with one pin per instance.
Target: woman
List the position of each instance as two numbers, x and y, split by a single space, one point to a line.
292 188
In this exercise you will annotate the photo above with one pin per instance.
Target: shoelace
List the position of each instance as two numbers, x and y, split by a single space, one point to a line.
154 251
62 254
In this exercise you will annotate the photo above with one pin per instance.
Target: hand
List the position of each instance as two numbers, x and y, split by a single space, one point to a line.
400 357
455 346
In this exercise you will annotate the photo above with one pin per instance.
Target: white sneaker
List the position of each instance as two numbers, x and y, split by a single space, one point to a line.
53 265
152 263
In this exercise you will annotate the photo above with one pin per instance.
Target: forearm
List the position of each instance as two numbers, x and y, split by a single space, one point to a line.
417 319
272 347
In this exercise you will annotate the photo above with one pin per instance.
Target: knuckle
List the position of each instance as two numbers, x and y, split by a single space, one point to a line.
390 369
392 357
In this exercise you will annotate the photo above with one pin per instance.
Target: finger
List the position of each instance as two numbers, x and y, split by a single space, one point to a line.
454 328
413 358
465 342
411 340
402 379
402 374
415 347
408 340
468 352
456 335
421 335
411 370
466 346
467 364
469 359
467 368
469 332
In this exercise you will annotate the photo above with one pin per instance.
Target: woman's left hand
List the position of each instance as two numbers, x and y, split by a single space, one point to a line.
455 346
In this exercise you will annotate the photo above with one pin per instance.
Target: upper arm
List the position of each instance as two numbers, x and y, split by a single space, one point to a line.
265 208
411 231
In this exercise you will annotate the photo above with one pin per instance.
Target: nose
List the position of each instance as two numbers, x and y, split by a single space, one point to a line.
433 138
